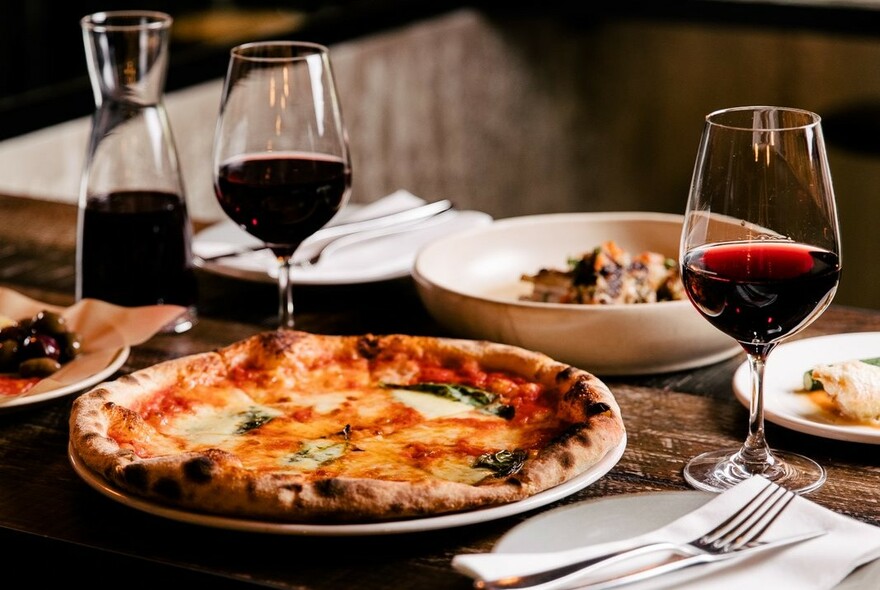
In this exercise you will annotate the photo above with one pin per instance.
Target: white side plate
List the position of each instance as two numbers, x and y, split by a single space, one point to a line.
787 405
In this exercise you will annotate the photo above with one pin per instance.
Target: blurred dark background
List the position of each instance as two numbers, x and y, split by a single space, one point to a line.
43 76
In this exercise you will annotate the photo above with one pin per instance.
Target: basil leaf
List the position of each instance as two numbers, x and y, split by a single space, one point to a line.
502 463
250 419
479 398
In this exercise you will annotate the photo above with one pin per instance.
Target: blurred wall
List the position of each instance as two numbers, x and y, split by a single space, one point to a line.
525 116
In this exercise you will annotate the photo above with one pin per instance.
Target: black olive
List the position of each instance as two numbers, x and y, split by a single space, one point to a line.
25 325
38 367
40 345
12 332
70 344
48 322
9 358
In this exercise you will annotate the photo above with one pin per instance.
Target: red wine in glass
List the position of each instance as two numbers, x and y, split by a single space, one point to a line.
282 198
136 251
760 291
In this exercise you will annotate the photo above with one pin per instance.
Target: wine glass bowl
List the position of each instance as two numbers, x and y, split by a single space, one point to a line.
281 162
760 260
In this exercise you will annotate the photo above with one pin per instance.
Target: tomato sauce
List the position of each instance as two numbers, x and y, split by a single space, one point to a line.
10 385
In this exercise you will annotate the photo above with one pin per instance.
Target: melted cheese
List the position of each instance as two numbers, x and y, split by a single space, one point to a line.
373 432
207 426
326 402
429 405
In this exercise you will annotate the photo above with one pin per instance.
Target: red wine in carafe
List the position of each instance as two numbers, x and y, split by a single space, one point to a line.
135 250
759 292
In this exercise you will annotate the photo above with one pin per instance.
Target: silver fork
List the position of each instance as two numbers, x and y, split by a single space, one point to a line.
737 534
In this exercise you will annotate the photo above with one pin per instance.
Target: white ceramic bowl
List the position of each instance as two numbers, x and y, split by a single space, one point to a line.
470 283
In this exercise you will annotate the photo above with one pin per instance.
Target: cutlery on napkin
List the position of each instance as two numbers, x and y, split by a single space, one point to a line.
359 258
818 564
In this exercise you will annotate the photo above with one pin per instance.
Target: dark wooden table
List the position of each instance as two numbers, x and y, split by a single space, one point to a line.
50 517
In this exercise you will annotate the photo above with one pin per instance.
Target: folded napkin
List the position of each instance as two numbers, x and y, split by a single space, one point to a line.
349 260
817 564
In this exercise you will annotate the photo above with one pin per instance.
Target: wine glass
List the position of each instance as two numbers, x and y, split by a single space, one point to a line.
281 163
760 260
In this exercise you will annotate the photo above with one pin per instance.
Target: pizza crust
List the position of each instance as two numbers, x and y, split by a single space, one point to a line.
112 428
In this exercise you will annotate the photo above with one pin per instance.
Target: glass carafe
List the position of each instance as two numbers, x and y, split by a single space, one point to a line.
134 233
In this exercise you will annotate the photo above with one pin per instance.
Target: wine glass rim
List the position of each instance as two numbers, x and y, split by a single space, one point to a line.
250 51
126 20
716 118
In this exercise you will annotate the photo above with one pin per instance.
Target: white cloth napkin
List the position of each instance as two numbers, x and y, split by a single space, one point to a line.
817 564
347 260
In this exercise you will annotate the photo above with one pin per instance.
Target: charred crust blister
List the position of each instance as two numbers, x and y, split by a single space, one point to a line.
368 346
136 476
580 390
198 470
576 431
597 408
329 488
565 374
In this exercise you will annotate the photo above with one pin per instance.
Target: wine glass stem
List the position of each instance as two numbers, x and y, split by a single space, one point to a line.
755 452
285 293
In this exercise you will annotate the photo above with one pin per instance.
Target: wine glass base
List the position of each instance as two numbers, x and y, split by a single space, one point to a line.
182 323
717 471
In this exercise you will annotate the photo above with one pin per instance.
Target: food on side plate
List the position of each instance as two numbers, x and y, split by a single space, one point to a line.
607 275
33 348
853 385
296 427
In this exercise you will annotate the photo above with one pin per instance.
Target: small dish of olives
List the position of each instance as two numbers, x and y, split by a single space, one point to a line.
38 346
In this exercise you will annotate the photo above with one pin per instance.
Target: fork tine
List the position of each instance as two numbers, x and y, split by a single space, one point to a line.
750 522
771 514
737 517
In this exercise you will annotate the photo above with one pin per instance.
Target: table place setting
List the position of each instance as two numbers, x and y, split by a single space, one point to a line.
817 549
403 224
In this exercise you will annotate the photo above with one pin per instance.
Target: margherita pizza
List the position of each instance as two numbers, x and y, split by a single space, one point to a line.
290 426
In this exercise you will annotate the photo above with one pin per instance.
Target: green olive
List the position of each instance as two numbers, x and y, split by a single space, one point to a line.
38 367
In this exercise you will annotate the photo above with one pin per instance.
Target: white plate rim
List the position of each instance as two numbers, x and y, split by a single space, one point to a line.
532 535
550 219
526 536
120 356
611 458
784 372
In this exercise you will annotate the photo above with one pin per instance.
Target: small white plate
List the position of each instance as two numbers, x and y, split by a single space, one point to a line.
380 528
117 360
620 517
785 402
